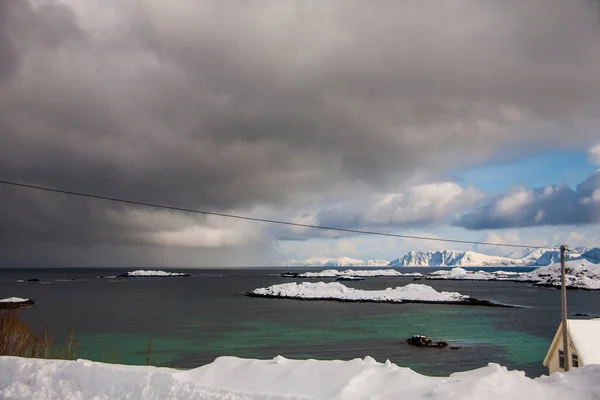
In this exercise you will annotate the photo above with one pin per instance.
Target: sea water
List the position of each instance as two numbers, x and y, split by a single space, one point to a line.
192 320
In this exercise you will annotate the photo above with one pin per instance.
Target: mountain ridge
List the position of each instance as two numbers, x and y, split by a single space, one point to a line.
453 258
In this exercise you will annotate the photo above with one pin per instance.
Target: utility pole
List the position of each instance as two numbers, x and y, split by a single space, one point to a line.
563 298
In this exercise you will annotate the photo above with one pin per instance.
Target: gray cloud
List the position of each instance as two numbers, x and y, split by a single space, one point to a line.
282 104
418 206
551 205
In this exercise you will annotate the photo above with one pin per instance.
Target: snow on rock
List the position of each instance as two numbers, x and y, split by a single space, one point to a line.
338 291
334 273
278 379
458 273
149 274
335 262
14 300
580 274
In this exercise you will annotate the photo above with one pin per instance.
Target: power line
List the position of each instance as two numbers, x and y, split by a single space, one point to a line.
265 220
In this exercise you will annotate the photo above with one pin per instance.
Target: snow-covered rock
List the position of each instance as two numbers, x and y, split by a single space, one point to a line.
334 273
15 302
458 273
448 258
150 274
281 379
580 274
334 262
338 291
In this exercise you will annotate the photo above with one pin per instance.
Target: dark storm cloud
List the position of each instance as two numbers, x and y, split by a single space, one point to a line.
551 205
281 104
8 54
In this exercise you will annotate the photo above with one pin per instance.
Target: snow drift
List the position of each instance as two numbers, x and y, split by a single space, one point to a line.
278 379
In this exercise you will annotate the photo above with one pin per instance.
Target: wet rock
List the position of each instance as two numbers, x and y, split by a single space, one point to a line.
32 280
14 305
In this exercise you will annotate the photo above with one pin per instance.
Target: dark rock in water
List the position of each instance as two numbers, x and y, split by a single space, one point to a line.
14 305
350 278
581 315
32 280
455 347
290 275
417 279
424 341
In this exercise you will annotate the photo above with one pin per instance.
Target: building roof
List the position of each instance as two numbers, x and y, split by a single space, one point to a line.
585 336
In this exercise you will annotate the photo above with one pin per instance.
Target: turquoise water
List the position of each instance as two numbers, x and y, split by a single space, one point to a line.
191 321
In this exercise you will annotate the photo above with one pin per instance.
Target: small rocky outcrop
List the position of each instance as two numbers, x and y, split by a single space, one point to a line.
424 341
13 303
350 278
32 280
290 275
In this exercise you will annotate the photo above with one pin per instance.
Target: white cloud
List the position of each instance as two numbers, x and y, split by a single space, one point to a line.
550 205
417 205
594 154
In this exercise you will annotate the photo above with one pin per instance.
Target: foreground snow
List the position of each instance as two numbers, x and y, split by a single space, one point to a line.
338 291
580 274
236 379
150 273
334 273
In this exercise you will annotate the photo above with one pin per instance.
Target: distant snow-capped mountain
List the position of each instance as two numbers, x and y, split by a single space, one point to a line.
335 262
551 256
454 258
447 258
592 255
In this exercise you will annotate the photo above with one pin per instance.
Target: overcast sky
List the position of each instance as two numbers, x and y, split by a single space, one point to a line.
403 116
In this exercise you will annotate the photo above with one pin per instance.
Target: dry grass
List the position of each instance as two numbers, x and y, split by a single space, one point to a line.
17 339
149 353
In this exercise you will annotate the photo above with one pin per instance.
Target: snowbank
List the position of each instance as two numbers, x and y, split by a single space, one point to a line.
338 291
278 379
580 274
150 274
462 274
334 273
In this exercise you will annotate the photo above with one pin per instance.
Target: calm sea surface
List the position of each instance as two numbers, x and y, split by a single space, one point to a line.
193 320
